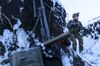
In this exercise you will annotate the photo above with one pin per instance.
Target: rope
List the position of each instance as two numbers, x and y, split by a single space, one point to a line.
1 14
54 9
37 21
7 19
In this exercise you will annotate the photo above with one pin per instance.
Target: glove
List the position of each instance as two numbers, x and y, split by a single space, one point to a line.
81 32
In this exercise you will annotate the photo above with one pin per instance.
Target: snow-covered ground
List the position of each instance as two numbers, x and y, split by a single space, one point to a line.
91 52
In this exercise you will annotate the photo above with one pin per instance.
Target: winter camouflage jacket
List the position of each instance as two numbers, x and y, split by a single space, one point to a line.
74 26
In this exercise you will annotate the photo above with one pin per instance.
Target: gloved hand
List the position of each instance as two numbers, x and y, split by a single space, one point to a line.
81 32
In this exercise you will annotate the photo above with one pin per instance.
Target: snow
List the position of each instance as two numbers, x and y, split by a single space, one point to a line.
22 0
89 43
16 26
21 8
54 1
94 20
65 29
7 38
66 61
92 47
97 19
96 48
22 38
90 52
9 1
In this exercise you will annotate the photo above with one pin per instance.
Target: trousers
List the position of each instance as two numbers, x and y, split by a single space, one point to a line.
73 38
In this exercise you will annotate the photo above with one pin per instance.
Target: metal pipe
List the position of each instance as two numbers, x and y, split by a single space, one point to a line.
45 20
34 8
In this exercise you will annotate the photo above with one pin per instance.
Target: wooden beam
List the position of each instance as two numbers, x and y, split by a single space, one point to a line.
61 36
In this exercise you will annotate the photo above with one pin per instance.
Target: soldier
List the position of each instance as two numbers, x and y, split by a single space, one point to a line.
75 27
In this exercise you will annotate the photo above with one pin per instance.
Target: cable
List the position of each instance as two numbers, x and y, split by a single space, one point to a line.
7 19
54 9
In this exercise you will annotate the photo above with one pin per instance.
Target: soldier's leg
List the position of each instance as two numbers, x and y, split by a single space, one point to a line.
80 40
74 43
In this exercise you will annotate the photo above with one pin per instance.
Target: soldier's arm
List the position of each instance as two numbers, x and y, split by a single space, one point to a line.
81 26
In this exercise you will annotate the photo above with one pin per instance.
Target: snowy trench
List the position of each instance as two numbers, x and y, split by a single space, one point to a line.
91 46
90 52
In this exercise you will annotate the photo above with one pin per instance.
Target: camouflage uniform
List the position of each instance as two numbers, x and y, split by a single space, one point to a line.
74 27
